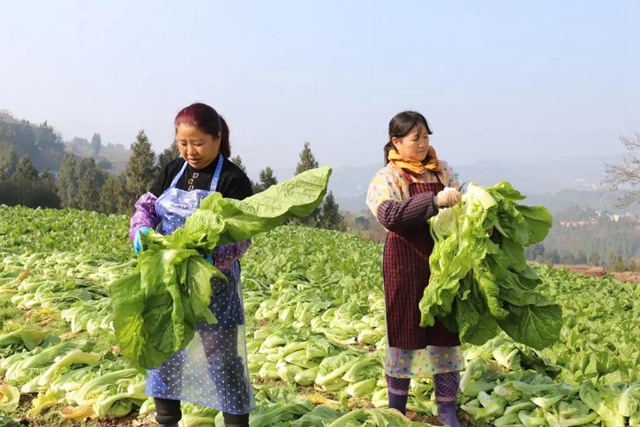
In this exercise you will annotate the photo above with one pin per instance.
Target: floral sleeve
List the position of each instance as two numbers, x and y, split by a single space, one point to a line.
383 187
452 178
386 202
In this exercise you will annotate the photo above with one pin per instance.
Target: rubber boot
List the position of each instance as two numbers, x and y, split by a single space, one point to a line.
447 414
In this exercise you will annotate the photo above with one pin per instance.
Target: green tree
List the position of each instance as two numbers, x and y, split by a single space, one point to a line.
49 148
8 162
552 257
67 183
105 164
170 153
594 259
27 193
96 144
48 180
307 160
25 171
255 186
112 195
267 179
330 216
25 138
618 265
125 206
46 176
362 223
89 185
141 169
237 160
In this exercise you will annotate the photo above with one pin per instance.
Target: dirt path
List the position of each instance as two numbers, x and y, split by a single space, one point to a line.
587 270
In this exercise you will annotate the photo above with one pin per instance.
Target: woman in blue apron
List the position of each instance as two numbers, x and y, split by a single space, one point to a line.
212 370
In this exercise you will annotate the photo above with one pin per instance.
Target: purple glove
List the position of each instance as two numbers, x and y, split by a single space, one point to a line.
225 255
145 214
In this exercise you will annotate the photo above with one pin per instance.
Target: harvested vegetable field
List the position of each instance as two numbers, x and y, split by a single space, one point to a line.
315 331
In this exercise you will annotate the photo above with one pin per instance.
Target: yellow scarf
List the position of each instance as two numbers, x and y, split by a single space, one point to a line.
418 168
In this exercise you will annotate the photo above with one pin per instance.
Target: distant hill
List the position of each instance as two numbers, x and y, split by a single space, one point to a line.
39 141
111 157
589 236
46 147
556 184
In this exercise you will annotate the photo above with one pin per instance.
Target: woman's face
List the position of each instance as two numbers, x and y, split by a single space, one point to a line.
413 145
197 147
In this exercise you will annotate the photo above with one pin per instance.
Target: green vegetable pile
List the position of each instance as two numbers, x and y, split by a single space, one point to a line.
480 280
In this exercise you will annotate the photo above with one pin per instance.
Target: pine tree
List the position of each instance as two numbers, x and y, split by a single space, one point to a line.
255 186
88 186
307 160
46 176
8 162
141 169
125 206
96 144
25 171
237 160
67 183
169 154
330 216
111 195
48 181
267 179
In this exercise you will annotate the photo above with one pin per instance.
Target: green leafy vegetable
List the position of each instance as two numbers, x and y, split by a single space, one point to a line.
157 307
480 281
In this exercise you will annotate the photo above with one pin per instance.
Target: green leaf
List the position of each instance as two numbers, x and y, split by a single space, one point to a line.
535 326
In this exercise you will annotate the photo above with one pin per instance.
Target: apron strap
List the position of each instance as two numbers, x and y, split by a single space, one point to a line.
177 177
216 175
408 177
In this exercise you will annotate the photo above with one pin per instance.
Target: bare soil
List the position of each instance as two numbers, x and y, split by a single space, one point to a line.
587 270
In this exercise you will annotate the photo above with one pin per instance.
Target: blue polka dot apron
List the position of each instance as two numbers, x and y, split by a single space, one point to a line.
212 370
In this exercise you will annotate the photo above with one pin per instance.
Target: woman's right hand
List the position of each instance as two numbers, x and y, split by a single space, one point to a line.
448 198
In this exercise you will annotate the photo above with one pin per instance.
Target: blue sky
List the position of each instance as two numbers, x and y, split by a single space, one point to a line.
496 79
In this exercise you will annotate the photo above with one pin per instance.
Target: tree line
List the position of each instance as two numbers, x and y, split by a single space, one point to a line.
84 184
586 236
41 143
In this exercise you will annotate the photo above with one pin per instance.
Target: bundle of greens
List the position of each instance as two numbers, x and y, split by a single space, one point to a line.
156 308
480 280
